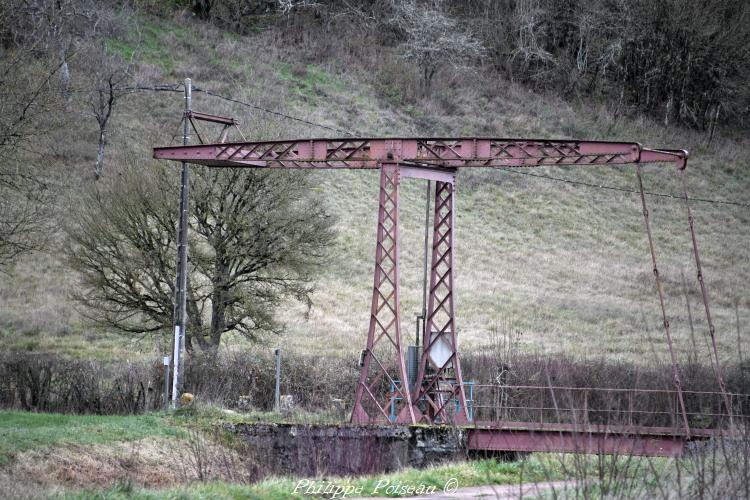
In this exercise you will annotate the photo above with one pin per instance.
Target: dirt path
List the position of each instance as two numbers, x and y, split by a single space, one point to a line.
502 492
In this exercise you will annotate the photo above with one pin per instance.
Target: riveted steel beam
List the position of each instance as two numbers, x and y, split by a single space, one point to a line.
436 152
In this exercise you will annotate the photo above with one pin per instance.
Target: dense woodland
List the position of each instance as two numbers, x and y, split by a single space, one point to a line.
679 60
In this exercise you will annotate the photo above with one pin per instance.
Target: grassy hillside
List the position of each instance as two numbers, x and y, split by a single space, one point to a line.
567 265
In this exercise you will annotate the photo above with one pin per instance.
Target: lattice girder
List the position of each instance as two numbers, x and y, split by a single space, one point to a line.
439 380
358 153
382 389
373 400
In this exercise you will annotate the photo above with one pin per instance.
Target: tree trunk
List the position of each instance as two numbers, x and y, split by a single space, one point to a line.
219 300
712 124
64 70
100 153
193 322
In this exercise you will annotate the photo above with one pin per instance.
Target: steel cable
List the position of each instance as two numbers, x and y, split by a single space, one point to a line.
177 87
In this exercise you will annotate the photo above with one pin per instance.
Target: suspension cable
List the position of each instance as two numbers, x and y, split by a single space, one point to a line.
276 113
675 372
621 189
704 293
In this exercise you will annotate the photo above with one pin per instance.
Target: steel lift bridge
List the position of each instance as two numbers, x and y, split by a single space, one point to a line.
496 417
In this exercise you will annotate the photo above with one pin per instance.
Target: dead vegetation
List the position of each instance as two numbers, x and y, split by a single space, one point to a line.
566 264
245 381
146 463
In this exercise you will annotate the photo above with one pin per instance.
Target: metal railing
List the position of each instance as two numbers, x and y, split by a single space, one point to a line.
587 406
605 406
468 390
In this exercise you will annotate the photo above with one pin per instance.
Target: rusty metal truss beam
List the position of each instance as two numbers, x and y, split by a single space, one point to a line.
385 347
439 380
383 394
435 152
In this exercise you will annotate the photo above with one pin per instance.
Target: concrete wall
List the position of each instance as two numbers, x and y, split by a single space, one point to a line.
314 450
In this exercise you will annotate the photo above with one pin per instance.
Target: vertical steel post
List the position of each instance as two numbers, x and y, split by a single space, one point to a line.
424 262
182 251
277 392
165 367
444 382
384 342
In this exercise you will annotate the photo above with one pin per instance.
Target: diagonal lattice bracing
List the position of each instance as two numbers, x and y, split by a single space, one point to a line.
352 153
438 394
382 392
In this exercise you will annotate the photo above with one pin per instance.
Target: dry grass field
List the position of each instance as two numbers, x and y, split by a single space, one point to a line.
566 265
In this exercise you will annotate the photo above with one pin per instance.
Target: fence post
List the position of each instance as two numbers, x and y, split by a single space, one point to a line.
165 364
630 407
277 393
586 407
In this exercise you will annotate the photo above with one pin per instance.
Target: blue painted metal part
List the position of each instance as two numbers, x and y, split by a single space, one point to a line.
469 401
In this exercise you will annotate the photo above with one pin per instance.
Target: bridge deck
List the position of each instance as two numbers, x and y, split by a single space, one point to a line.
572 438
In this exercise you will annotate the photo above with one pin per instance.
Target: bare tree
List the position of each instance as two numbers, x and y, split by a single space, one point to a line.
29 96
24 212
287 6
680 60
528 47
256 239
434 39
37 40
109 74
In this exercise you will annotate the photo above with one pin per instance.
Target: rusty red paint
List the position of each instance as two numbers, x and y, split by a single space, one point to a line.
576 441
437 159
665 320
385 318
369 153
439 380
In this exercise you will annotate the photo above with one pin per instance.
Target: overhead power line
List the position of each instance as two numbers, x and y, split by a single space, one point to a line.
624 190
276 113
178 88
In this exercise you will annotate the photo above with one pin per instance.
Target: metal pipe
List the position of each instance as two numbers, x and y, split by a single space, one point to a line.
424 261
605 389
165 367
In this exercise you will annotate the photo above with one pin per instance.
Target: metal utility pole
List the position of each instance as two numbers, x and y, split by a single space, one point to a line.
182 251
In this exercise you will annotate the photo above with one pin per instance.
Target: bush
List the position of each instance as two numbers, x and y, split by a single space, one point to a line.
245 380
43 382
50 383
